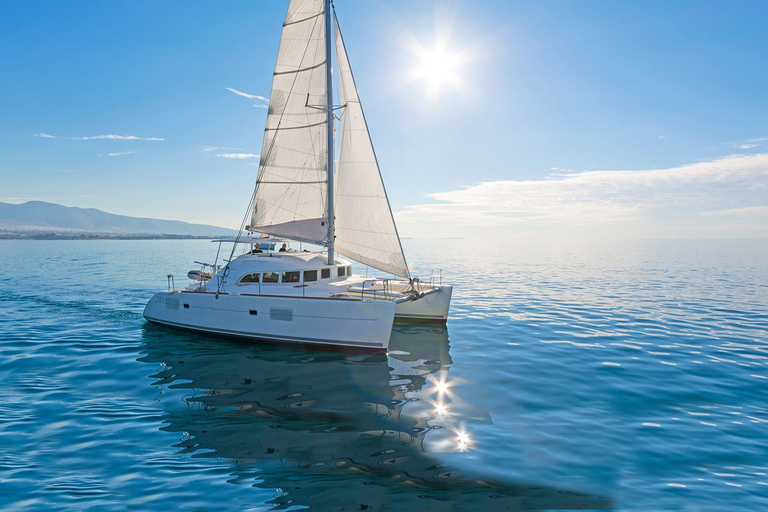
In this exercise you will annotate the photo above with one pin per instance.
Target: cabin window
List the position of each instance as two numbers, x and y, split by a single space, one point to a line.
325 273
342 271
270 277
291 277
310 275
250 278
349 271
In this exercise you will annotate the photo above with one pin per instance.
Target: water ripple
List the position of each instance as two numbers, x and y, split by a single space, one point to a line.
619 375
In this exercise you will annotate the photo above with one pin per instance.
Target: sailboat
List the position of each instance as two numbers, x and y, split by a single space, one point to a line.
307 196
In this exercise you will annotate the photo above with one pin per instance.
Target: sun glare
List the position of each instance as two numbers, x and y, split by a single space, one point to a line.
438 68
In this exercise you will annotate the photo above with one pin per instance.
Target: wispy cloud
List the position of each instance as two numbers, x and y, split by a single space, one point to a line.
96 137
210 149
679 195
123 153
750 143
750 212
239 156
262 101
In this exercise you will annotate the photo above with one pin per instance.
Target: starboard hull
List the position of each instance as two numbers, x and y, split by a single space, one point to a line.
296 320
432 307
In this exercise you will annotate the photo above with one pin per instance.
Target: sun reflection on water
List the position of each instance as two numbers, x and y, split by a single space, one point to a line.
444 414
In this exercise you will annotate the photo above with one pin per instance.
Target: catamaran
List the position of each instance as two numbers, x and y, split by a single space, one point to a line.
304 194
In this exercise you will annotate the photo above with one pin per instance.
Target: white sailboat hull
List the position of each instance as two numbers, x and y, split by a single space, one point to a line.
308 321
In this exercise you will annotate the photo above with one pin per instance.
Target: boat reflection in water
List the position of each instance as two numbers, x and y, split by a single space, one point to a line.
335 431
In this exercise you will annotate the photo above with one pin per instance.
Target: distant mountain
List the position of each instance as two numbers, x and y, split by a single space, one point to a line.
39 216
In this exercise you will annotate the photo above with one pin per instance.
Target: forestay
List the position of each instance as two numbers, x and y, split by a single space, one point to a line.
365 228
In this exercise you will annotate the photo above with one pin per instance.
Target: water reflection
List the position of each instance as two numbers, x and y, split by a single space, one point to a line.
333 431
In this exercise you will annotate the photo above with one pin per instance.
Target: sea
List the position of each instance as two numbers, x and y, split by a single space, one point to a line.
591 375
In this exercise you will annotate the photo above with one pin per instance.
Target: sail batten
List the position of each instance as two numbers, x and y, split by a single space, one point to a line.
322 64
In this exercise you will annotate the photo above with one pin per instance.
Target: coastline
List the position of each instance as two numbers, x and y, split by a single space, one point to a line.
101 236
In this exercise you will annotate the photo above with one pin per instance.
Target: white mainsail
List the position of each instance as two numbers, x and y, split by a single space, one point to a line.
365 228
290 196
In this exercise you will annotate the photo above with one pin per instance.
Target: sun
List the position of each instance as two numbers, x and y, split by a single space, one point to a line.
438 68
442 63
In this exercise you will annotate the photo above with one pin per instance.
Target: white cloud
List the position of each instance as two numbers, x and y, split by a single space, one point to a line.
264 102
238 156
211 149
95 137
750 212
118 137
750 143
688 195
123 153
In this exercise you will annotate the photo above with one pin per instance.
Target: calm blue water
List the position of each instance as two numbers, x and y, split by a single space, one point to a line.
626 375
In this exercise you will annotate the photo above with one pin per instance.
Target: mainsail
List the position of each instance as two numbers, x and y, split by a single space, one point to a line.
365 229
290 196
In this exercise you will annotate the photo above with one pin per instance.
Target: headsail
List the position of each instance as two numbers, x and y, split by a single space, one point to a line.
365 228
290 196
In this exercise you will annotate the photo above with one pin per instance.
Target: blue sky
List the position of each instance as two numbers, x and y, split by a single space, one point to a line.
562 118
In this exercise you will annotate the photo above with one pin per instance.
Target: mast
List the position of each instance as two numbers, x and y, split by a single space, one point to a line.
329 127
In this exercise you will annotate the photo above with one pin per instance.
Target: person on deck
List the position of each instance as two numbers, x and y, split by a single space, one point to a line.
256 249
283 248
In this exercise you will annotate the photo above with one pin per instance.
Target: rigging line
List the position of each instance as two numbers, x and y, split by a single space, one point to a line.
225 270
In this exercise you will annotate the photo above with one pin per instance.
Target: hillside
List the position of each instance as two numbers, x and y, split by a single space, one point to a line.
37 217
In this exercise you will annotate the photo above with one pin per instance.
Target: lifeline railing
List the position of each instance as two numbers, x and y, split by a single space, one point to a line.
383 293
436 275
